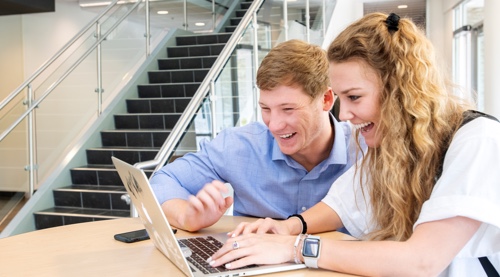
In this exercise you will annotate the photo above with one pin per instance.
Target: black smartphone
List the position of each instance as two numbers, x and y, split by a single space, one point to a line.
132 236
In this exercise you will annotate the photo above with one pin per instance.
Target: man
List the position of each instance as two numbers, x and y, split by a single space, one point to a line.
277 169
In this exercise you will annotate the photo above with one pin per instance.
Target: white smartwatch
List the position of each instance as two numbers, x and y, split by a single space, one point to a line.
311 250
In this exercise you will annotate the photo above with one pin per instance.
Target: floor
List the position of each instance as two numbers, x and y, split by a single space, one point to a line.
10 204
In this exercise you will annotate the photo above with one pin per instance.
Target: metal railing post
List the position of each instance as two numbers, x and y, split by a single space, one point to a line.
185 15
99 70
285 19
31 144
308 16
213 15
324 18
255 64
148 30
213 99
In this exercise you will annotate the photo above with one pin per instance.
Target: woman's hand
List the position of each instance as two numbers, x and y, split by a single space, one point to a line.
251 249
262 226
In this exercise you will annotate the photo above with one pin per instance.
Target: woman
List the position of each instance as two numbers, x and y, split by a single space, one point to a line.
424 200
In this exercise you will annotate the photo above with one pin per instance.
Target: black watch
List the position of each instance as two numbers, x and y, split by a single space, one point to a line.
311 250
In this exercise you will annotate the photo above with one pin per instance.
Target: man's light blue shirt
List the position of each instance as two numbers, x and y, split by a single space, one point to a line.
266 182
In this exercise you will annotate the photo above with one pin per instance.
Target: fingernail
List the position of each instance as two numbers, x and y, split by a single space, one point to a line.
233 235
211 263
228 265
209 260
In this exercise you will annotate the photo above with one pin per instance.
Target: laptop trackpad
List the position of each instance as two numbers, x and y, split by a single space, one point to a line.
186 251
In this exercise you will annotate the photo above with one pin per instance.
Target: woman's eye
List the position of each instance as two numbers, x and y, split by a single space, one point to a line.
353 97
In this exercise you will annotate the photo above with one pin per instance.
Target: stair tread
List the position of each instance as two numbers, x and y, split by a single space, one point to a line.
188 57
93 188
159 98
74 211
209 34
124 148
136 114
198 45
104 167
138 130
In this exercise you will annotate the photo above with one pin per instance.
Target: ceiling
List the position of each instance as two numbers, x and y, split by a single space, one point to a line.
416 9
12 7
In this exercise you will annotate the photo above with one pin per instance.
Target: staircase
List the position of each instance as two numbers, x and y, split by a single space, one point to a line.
96 189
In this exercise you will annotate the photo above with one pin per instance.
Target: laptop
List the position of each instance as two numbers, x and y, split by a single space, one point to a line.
185 253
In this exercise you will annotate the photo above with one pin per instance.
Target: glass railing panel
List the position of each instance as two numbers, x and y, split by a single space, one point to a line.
14 154
201 16
64 113
199 129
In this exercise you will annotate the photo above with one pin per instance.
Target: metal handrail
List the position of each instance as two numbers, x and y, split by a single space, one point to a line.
55 57
69 71
202 92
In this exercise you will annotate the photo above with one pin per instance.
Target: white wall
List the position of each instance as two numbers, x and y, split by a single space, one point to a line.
11 54
45 33
491 57
345 12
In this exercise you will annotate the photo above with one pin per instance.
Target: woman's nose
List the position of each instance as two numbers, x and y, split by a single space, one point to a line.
344 113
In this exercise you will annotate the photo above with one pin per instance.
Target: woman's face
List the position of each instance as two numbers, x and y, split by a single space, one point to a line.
358 88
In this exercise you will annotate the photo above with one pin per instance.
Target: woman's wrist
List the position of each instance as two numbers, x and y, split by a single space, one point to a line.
297 247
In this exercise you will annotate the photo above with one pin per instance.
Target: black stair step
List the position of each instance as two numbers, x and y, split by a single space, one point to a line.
91 197
102 156
95 175
235 21
195 50
134 138
59 216
230 28
203 39
146 121
241 13
245 5
102 175
157 105
177 76
186 63
168 90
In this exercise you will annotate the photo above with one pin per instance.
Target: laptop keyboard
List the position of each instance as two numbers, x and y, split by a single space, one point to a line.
202 248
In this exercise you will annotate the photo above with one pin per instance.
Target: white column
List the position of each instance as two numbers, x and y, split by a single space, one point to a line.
491 57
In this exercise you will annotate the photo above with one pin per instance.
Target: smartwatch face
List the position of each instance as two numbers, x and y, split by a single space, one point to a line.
311 247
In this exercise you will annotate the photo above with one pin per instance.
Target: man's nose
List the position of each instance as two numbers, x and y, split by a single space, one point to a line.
276 123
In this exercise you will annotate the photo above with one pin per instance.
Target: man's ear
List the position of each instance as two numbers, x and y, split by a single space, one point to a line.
328 99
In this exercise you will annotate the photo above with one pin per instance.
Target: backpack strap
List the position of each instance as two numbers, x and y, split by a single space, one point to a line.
468 117
488 267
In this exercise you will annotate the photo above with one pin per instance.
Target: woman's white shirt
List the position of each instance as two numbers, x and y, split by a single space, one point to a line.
469 187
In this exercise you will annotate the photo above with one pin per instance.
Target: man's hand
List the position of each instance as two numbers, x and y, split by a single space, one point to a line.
264 225
199 211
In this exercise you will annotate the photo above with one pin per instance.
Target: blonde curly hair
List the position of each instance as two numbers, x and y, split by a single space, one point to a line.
418 116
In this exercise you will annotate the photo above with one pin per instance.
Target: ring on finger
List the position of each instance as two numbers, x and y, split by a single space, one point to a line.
236 245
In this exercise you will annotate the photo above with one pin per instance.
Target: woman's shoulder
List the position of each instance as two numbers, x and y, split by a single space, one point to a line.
480 127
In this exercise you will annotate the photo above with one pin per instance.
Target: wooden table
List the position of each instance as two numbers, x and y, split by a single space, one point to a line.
89 249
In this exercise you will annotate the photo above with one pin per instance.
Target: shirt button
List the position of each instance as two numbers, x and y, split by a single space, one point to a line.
304 209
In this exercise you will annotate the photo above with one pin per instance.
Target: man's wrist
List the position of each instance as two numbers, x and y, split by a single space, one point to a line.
298 229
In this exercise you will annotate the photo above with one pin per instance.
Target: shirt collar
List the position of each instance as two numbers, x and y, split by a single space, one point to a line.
338 155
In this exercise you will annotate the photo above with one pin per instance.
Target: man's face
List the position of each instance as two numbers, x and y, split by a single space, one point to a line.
293 118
